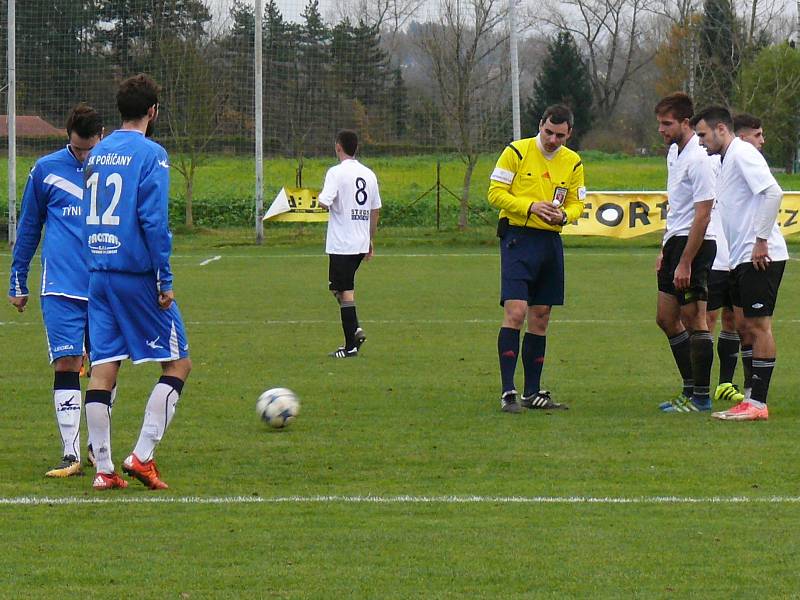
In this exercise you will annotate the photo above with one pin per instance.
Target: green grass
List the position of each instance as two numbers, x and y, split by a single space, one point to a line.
416 414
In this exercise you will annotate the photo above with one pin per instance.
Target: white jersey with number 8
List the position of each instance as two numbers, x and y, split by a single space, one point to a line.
350 192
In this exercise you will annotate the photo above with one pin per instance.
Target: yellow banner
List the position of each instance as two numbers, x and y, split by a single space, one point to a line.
297 205
630 214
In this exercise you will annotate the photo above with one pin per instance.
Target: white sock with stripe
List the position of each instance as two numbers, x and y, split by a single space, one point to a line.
98 421
67 402
158 415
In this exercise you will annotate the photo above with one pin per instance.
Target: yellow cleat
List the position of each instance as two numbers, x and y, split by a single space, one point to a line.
68 467
727 392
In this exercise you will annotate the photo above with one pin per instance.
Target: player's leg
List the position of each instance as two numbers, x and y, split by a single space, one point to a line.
158 415
728 344
107 350
151 334
65 320
668 318
341 277
701 352
508 351
758 293
519 268
546 291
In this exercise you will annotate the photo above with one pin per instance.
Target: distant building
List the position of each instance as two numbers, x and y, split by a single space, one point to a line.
30 127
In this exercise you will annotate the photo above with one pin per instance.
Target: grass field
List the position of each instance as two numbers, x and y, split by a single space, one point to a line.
401 478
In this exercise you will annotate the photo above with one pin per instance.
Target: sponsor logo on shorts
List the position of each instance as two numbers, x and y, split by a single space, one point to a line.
104 243
64 347
758 305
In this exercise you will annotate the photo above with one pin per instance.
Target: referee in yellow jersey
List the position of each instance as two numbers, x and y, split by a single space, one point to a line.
538 186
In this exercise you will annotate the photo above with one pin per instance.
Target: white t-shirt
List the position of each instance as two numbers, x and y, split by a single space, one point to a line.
350 192
744 175
691 178
722 259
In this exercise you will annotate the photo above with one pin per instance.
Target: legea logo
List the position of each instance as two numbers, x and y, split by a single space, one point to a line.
104 243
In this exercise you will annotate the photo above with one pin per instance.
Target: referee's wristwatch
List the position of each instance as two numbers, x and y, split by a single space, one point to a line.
564 218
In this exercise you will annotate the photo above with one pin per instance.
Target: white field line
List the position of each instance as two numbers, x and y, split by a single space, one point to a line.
602 500
210 260
494 254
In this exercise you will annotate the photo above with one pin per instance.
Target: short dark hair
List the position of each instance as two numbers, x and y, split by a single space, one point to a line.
348 140
84 121
136 95
745 121
678 104
559 113
714 115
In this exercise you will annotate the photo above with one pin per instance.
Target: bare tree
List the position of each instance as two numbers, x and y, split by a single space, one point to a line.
610 33
465 54
390 16
195 94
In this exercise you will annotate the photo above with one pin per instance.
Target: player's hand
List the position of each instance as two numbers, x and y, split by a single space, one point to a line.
165 299
760 256
546 212
683 274
18 302
371 252
659 260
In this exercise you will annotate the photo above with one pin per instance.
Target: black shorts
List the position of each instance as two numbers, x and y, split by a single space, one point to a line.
701 266
719 290
531 266
342 271
756 292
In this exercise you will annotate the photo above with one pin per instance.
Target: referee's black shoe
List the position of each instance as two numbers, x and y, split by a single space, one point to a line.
342 352
508 402
541 401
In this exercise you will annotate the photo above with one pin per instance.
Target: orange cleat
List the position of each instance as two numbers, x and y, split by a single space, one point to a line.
744 411
108 481
146 472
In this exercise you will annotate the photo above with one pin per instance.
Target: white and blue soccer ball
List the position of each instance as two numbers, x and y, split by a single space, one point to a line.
278 407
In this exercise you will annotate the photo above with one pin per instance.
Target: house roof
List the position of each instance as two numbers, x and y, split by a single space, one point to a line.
30 126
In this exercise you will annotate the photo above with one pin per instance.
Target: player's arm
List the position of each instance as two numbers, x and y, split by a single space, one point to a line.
703 181
329 191
500 181
576 195
766 215
29 233
153 213
374 216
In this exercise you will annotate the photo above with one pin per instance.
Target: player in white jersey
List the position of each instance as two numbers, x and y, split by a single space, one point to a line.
686 255
351 195
749 200
53 201
748 128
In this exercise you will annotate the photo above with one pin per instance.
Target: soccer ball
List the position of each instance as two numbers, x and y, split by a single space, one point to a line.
278 407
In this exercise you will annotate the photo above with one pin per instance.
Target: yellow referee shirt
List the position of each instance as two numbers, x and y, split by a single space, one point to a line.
524 175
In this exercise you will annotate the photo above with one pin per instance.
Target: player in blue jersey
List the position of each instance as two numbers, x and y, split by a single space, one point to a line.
132 308
52 199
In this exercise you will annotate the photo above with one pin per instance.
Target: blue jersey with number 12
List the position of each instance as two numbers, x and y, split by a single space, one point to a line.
127 206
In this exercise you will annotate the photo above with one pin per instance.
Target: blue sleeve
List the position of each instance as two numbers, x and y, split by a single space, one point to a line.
29 232
153 211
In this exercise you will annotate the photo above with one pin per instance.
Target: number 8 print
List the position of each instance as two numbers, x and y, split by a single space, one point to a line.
361 191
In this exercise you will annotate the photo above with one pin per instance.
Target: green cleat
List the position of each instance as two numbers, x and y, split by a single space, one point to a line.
729 393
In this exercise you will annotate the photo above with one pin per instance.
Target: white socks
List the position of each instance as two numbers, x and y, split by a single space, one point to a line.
157 416
68 415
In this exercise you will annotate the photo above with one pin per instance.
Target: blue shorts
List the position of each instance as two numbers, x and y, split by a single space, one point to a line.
64 325
125 320
532 266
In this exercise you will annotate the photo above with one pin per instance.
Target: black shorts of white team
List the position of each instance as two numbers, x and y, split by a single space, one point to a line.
701 267
342 271
756 292
719 290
